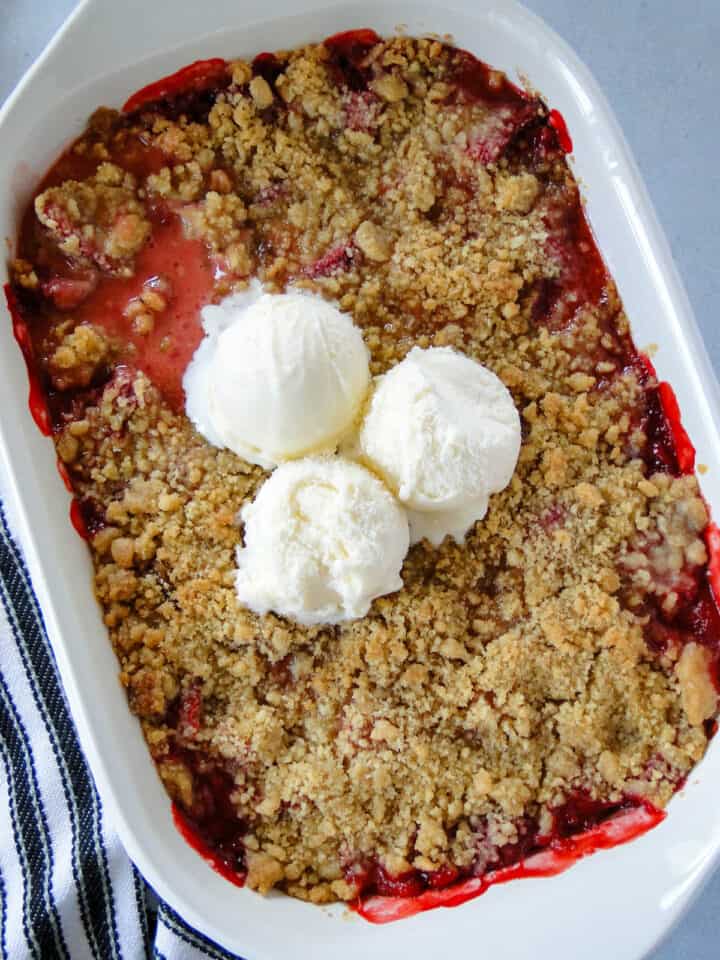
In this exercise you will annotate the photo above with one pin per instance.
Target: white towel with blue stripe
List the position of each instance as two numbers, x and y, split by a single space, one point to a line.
67 888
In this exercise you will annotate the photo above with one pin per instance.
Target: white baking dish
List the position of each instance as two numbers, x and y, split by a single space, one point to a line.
616 904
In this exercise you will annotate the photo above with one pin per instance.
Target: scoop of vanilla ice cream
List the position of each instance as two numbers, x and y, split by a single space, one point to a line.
277 376
323 539
444 434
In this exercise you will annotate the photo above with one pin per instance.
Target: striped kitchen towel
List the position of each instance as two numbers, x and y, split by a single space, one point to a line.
67 888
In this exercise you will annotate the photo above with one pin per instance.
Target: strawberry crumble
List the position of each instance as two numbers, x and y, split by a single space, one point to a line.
557 668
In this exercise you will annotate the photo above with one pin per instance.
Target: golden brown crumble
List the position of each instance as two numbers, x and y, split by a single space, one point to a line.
78 357
100 219
511 671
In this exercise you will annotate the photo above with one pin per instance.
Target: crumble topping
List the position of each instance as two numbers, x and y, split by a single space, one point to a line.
78 357
99 219
543 657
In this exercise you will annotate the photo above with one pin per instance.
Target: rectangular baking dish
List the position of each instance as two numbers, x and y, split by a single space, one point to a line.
105 52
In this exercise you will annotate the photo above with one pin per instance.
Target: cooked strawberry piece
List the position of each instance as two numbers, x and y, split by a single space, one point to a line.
557 122
348 51
579 813
443 877
489 140
476 80
267 66
543 144
69 292
408 884
334 261
270 194
660 453
190 716
546 296
362 110
196 77
553 517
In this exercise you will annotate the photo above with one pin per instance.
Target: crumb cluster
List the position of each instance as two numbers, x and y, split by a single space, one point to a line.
511 672
99 220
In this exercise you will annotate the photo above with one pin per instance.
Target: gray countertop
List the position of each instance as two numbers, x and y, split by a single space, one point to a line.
658 63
